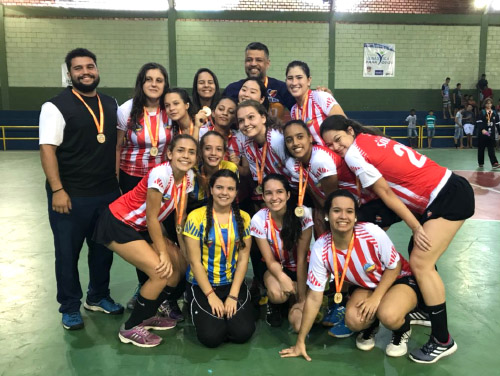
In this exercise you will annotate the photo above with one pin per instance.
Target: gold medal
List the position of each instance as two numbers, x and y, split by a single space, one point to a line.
179 229
153 151
207 110
101 138
337 298
259 189
299 211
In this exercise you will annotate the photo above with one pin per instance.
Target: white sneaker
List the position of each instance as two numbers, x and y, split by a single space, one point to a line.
366 339
399 344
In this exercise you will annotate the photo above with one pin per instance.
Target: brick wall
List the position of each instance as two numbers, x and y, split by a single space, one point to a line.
36 47
408 6
493 59
220 45
425 55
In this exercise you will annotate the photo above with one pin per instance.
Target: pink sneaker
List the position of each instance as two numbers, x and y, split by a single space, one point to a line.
138 336
159 323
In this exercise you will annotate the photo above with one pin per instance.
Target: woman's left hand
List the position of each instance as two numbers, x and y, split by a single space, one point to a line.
230 307
367 308
164 268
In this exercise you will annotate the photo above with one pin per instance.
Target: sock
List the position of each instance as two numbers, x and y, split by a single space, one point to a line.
439 322
143 310
405 327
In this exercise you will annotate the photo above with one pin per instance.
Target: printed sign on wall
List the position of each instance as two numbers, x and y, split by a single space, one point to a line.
379 60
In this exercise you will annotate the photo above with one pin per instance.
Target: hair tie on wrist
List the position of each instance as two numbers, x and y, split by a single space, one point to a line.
208 293
57 190
233 297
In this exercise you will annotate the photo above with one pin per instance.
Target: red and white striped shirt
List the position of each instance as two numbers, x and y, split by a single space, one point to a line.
413 177
260 227
234 141
275 156
135 158
373 252
131 207
319 104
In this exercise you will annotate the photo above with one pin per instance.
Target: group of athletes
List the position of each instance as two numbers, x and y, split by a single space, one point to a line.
187 167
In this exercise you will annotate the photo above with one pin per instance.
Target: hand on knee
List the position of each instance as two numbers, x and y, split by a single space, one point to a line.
353 322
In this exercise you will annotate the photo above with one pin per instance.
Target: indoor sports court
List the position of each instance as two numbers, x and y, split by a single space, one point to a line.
458 39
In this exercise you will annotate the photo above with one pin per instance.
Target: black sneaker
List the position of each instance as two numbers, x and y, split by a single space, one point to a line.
432 351
419 317
273 316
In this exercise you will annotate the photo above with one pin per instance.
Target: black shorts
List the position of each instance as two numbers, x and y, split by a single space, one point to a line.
377 212
111 229
292 274
455 201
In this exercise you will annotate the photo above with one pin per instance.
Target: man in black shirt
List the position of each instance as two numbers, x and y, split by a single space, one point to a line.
77 149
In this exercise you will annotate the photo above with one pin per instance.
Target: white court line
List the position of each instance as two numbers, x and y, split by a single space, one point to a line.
483 220
488 189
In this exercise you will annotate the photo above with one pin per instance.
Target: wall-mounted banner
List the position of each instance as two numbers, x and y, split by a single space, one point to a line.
379 60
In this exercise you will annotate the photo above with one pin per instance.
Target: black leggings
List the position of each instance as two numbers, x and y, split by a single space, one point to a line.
212 330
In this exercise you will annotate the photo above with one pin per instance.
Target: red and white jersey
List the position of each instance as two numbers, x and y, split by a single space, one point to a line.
260 227
318 106
373 252
131 207
234 141
413 177
135 158
275 156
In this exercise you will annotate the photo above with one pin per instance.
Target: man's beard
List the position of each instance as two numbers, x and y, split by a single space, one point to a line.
85 88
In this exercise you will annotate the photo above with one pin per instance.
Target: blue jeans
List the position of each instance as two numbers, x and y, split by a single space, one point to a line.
70 231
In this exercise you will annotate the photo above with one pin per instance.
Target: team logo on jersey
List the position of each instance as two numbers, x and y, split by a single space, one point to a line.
277 164
159 183
369 268
166 197
378 219
271 96
382 141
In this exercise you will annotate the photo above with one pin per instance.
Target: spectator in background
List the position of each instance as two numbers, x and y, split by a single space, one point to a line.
487 123
411 120
468 120
473 103
481 84
486 93
430 122
457 98
445 94
459 129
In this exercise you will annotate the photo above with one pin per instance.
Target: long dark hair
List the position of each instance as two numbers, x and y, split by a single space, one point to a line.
301 65
303 125
196 96
178 137
225 97
224 173
187 100
139 100
291 230
263 90
332 196
270 121
341 123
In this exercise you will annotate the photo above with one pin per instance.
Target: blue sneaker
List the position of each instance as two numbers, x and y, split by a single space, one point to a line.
335 315
133 299
72 321
106 305
340 330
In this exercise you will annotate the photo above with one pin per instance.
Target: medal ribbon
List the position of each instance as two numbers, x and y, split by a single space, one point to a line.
98 124
302 187
338 286
147 122
265 82
218 233
274 238
183 199
488 117
260 168
191 129
303 113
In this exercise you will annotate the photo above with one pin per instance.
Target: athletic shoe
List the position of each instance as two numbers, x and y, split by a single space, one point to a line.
399 344
419 317
334 316
480 166
159 323
138 336
340 330
106 305
273 315
133 299
170 309
366 338
496 165
432 351
72 321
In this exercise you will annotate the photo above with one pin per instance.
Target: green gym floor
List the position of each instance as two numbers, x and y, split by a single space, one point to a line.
33 342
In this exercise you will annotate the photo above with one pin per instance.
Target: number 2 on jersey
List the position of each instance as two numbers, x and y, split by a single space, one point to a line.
400 151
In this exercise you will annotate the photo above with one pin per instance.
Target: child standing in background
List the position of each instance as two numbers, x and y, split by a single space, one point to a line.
411 120
468 120
459 128
430 123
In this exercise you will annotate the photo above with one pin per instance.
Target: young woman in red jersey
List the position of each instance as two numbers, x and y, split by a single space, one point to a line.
383 287
408 182
131 227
